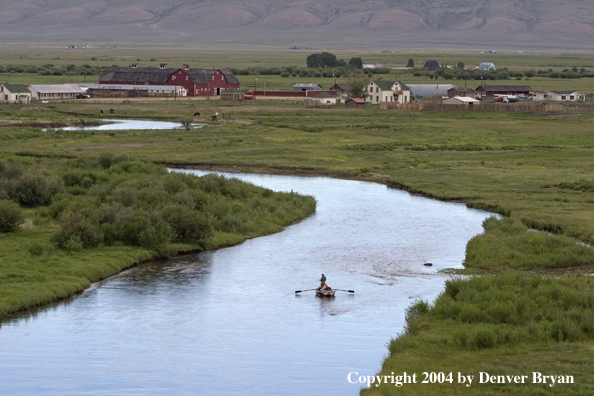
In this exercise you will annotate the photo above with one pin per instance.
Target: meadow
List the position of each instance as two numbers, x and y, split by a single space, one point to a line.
529 310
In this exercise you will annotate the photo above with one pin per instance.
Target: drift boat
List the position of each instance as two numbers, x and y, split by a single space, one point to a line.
325 292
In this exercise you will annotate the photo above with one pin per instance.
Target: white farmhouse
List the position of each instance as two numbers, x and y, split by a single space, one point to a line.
387 91
14 93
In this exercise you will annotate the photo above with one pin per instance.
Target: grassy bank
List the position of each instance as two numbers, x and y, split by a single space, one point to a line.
84 219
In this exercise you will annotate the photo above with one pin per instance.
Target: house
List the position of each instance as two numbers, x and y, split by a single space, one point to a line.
467 92
197 82
560 96
462 100
14 93
420 91
55 91
307 87
324 98
487 66
490 90
355 102
387 91
432 65
368 66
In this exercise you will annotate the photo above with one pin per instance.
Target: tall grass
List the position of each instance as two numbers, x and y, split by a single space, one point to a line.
508 243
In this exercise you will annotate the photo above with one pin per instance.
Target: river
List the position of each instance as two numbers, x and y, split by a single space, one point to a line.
229 322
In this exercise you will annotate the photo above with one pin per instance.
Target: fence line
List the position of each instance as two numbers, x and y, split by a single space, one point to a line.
531 107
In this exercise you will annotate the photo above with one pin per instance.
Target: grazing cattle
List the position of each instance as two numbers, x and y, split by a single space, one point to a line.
196 114
111 111
101 111
214 118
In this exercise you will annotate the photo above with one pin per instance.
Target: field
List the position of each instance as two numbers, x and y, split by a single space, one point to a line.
535 169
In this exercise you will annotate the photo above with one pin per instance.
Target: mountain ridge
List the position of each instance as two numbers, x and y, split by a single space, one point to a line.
338 23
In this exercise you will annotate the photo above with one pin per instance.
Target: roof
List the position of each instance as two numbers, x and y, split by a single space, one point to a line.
357 100
386 85
432 65
130 87
16 87
487 64
57 88
323 95
343 86
506 88
464 99
564 92
160 76
307 86
430 90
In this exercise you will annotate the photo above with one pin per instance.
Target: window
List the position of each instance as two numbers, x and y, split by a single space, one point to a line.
173 78
563 97
377 98
187 78
571 97
222 78
376 89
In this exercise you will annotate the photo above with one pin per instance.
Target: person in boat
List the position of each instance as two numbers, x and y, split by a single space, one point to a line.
323 282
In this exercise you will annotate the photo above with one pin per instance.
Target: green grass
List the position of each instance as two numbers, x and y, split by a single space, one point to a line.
508 324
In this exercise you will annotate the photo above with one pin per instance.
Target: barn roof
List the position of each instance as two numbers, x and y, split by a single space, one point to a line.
357 100
160 76
564 92
299 85
506 88
432 65
137 75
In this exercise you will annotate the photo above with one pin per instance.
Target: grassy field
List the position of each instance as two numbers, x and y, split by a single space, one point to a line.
534 168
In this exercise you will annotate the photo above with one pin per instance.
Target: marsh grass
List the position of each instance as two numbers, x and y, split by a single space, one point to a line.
508 324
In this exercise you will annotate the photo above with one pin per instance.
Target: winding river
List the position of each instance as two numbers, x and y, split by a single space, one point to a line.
230 323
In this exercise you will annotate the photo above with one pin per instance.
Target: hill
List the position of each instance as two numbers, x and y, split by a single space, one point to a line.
525 24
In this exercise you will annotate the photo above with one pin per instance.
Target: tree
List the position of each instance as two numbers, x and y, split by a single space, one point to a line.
460 65
357 85
322 59
411 62
356 62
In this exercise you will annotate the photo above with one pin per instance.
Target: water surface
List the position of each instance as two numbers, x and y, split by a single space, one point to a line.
124 125
229 322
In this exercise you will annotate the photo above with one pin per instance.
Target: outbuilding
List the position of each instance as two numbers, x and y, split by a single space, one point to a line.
325 98
432 65
55 91
560 96
490 90
355 102
307 87
462 100
14 93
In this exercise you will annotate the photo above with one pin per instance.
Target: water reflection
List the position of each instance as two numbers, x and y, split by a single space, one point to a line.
124 125
229 322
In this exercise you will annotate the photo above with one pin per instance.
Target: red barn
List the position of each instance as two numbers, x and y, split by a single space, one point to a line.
198 82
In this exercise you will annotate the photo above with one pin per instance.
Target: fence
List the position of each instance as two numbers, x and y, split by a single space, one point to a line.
530 107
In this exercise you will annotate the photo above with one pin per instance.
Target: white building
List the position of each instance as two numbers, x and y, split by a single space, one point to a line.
387 91
130 90
325 98
560 96
462 100
487 66
55 91
14 93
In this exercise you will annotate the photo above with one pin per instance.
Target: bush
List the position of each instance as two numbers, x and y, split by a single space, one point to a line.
11 216
35 187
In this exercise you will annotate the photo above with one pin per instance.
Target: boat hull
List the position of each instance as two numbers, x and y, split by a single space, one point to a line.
325 292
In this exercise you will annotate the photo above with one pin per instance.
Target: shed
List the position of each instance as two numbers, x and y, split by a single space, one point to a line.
232 94
490 90
355 102
462 100
307 87
325 98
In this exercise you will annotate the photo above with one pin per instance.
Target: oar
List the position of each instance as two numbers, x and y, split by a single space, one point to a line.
299 291
350 291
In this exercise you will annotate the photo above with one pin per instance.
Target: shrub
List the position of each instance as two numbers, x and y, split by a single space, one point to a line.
35 187
11 216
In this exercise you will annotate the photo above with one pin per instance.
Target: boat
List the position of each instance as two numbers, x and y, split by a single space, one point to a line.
325 292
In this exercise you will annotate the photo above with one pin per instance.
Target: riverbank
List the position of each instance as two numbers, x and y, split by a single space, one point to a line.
89 218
